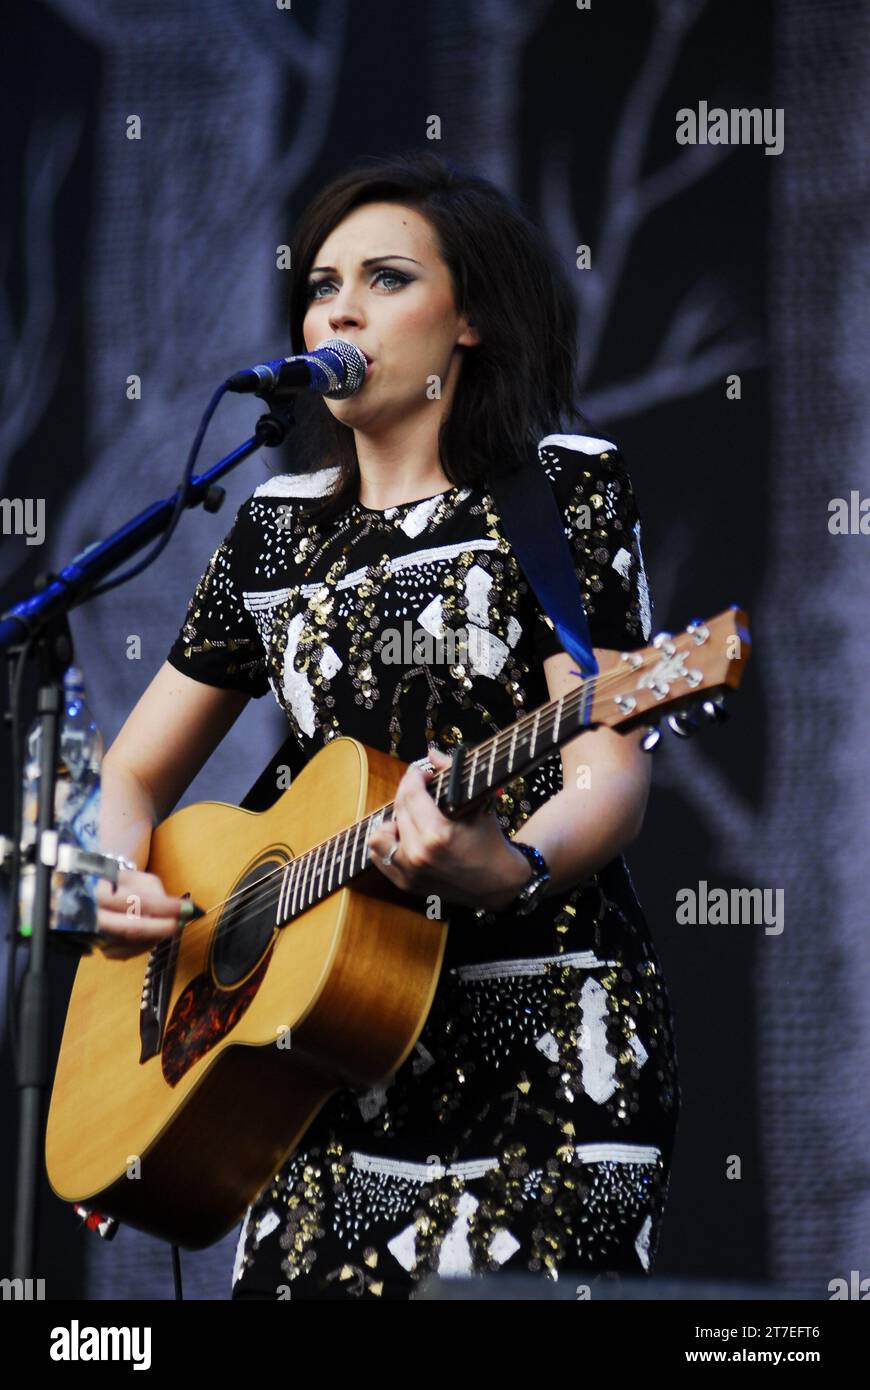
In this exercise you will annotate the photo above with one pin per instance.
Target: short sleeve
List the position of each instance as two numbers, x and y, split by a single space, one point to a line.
219 643
601 522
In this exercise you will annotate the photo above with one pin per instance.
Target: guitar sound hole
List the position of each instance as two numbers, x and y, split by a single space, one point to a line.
246 925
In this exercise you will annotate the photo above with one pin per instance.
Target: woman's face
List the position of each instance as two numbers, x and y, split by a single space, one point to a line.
379 281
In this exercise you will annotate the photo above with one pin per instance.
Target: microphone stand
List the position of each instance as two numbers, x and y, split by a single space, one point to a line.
42 620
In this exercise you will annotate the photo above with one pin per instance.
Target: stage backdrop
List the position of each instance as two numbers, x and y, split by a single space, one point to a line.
724 343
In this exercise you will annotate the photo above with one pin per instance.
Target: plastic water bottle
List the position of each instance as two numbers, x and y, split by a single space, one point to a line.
77 811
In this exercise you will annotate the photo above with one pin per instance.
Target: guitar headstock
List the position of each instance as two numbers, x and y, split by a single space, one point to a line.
673 675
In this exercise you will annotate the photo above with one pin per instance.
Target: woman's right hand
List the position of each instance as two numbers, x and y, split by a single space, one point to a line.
136 914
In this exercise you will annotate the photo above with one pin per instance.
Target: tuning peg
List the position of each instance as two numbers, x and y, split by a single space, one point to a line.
683 724
650 738
698 629
715 709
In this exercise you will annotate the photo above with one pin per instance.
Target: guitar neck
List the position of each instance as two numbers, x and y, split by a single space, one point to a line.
656 679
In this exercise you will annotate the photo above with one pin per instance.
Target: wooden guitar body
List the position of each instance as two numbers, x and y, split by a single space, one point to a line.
177 1142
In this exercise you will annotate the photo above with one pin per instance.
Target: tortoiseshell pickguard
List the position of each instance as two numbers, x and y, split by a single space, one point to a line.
204 1014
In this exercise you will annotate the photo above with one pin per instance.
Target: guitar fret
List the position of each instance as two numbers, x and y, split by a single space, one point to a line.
558 719
306 859
295 886
353 851
343 851
284 880
584 703
534 734
288 889
472 773
280 898
491 761
304 864
308 891
323 864
334 844
312 891
513 746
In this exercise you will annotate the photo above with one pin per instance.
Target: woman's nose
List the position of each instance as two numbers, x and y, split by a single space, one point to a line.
345 310
342 318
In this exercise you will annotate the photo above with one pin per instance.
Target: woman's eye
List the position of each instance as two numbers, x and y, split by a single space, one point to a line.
393 275
396 275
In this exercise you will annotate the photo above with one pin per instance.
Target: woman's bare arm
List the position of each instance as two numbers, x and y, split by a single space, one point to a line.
168 736
605 787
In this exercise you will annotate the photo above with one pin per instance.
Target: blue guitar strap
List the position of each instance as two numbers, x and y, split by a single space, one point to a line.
527 506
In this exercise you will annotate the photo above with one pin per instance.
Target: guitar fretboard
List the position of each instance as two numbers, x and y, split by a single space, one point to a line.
318 872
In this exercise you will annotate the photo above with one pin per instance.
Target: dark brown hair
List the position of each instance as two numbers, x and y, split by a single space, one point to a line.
518 384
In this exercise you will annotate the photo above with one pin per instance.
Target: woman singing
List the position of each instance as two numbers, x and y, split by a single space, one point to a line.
532 1126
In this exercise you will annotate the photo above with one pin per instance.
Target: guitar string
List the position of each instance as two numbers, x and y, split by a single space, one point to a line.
110 1016
261 892
437 780
258 893
162 948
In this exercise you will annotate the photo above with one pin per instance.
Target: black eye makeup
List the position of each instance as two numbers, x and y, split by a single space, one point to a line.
398 275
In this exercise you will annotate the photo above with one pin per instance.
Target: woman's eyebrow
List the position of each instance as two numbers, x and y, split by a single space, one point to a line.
372 260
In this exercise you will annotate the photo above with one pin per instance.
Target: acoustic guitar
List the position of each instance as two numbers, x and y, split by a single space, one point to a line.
189 1074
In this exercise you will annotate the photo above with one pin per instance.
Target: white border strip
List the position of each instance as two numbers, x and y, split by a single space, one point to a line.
421 1172
298 484
580 443
476 1167
535 965
257 599
618 1153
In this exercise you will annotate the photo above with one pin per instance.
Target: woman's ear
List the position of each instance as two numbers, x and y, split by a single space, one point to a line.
469 337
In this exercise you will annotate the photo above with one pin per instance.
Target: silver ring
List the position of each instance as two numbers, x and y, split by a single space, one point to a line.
388 858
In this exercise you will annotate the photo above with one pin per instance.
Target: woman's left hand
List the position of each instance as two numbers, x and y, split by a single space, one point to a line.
467 861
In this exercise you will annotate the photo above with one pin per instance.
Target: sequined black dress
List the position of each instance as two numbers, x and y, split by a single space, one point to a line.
532 1126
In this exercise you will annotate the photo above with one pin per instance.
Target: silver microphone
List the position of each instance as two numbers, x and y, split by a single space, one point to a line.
335 368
